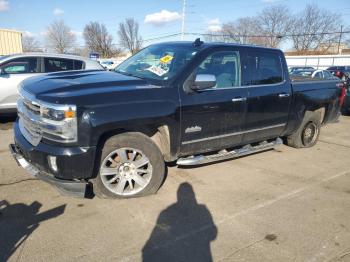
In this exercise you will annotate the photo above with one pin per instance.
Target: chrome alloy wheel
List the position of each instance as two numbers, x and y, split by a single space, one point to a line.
126 171
310 134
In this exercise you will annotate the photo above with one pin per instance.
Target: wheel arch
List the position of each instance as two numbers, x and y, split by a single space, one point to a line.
159 134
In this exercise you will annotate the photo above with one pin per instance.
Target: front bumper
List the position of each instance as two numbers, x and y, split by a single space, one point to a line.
74 164
66 187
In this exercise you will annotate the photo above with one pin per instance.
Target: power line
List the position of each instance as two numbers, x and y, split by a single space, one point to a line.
222 35
278 36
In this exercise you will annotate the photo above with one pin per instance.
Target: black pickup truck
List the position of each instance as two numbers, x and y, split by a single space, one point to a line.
189 102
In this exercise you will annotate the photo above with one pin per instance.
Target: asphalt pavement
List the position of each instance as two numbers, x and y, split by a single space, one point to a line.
285 204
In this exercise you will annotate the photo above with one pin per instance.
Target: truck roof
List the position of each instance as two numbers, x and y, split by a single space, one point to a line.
217 44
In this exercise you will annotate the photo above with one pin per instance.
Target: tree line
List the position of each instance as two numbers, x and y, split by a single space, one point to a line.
60 38
312 29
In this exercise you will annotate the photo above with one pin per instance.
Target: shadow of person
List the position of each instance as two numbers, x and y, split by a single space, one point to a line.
183 231
18 221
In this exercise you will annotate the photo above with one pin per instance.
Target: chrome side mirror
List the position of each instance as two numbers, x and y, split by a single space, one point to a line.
204 81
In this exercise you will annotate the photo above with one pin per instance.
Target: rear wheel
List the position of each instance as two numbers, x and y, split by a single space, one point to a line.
131 166
308 133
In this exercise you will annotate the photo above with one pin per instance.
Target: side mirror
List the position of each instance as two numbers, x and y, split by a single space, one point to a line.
2 72
204 81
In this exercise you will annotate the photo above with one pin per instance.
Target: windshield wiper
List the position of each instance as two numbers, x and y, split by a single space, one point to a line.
128 74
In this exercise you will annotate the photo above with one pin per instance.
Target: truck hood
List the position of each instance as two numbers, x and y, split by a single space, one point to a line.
58 87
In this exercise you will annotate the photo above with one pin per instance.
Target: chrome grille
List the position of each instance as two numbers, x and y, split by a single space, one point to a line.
29 117
31 106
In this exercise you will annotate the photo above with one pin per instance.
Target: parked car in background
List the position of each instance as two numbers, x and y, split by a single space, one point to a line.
16 68
342 72
295 68
108 64
346 106
313 73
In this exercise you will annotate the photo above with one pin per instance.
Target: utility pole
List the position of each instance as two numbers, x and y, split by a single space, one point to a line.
340 35
183 19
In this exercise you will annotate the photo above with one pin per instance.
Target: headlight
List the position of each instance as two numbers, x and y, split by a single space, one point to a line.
57 113
59 122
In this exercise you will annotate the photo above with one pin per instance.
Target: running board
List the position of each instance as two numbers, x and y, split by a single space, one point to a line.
224 155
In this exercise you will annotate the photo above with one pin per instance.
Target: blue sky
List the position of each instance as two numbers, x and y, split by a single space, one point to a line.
33 16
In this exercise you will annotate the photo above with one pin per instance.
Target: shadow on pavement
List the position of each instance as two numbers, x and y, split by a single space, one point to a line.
183 231
18 221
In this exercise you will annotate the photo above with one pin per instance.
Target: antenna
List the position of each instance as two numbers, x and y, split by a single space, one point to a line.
197 42
183 19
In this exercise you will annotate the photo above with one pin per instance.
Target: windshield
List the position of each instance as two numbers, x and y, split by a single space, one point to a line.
158 62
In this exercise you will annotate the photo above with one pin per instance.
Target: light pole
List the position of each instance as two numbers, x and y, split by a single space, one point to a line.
339 42
183 19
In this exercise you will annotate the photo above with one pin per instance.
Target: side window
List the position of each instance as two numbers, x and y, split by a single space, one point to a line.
25 65
78 65
263 68
58 64
318 75
327 74
225 66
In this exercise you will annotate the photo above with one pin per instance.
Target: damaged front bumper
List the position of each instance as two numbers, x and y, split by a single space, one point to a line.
76 188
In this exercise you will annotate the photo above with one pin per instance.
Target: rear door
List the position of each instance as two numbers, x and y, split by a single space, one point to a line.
212 119
14 72
269 94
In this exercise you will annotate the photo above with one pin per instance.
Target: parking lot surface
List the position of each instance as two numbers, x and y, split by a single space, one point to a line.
281 205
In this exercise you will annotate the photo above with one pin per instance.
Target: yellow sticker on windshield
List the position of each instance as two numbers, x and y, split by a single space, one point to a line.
166 59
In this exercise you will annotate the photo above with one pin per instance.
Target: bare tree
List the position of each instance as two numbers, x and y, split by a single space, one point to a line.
30 44
97 39
129 37
60 37
244 30
274 22
311 28
266 29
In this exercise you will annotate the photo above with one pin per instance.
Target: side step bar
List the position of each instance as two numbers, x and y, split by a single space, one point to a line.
224 155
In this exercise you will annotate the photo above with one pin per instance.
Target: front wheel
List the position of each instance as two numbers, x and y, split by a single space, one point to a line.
308 133
131 166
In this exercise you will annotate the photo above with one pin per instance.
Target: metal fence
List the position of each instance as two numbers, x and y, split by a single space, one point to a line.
319 61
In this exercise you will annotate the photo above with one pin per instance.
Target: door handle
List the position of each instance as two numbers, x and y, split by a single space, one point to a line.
239 99
283 95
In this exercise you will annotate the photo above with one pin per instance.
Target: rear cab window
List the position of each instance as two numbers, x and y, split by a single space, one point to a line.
262 68
25 65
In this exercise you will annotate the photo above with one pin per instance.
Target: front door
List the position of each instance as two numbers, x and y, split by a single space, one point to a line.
13 73
212 118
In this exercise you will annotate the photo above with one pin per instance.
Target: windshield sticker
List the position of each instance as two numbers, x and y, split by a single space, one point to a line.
158 70
166 59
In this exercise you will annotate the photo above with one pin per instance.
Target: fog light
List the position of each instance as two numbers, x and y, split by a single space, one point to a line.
52 163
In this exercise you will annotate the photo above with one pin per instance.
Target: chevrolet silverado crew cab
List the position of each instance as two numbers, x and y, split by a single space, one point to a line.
189 102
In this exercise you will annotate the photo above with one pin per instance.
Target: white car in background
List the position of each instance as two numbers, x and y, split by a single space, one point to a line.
15 68
313 73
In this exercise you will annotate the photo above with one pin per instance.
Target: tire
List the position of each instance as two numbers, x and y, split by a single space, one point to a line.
299 138
122 158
